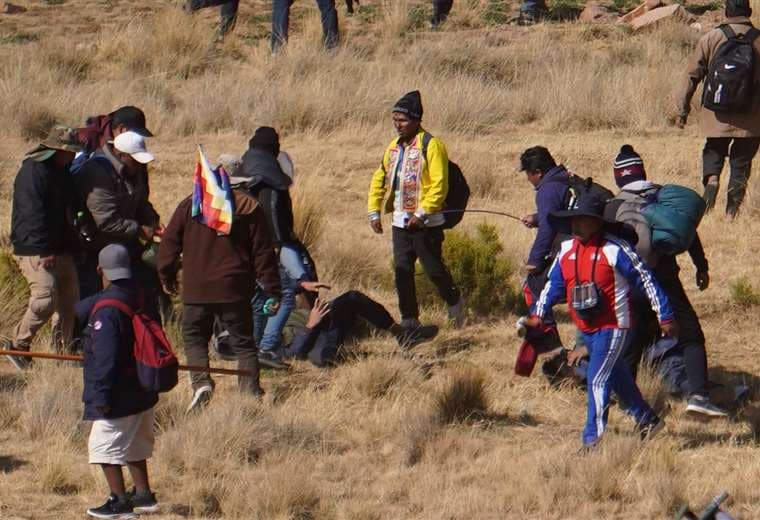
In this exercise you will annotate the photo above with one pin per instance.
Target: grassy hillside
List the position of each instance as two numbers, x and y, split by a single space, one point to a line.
376 437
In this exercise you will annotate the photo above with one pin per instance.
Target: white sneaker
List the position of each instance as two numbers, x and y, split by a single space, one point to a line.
702 405
456 314
201 398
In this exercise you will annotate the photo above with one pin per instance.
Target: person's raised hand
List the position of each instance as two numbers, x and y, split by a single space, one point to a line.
315 286
703 280
318 312
377 226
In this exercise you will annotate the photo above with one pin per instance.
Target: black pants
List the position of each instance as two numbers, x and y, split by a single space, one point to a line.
197 328
281 22
740 152
227 13
425 244
644 333
441 10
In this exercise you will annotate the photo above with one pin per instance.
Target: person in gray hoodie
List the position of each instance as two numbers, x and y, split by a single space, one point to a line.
635 192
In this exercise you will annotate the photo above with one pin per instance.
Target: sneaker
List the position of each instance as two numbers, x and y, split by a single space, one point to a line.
272 359
456 314
648 431
201 398
143 503
413 336
702 405
20 362
113 508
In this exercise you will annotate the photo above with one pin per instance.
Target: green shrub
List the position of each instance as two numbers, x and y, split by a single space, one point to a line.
480 270
742 293
496 12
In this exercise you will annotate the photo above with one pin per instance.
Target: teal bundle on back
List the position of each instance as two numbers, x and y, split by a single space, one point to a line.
674 217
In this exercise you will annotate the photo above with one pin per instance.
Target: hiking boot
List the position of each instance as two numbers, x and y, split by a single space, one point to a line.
20 362
113 508
649 430
413 336
456 314
201 397
272 359
710 194
702 405
143 503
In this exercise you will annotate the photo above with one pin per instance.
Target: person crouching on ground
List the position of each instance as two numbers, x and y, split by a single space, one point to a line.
413 189
595 271
121 410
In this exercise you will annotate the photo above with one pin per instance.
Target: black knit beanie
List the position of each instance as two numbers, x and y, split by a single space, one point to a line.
266 138
628 166
735 8
410 105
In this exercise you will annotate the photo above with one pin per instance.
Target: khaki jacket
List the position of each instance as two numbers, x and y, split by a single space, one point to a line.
713 124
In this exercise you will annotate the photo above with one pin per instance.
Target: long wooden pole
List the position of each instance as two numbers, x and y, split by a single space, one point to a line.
70 357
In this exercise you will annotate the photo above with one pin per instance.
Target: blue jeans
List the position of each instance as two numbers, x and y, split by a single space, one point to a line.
281 22
608 372
268 329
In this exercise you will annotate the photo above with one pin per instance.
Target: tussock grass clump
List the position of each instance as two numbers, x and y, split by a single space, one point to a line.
377 378
480 270
743 293
418 427
308 212
463 396
52 405
60 472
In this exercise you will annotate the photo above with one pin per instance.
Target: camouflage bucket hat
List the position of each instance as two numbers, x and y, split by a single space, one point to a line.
60 138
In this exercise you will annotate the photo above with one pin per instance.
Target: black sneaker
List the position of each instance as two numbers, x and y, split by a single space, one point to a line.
272 359
143 503
20 362
413 336
113 508
649 430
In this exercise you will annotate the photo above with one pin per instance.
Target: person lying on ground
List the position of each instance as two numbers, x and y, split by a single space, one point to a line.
44 243
121 411
636 192
594 271
220 274
329 324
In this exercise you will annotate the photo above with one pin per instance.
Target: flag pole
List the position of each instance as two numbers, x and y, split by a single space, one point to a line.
72 357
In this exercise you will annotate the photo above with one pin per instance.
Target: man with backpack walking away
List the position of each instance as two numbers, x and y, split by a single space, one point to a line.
636 193
221 266
44 242
595 272
728 60
412 184
114 399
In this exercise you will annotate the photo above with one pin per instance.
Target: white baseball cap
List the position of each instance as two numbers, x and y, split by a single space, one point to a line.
133 144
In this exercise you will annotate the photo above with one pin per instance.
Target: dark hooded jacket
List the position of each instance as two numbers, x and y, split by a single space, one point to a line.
265 180
219 268
551 196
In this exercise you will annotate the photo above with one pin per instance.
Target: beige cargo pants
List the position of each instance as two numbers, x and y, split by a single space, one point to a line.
54 293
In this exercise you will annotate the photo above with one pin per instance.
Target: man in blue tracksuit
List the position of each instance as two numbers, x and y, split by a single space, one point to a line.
596 272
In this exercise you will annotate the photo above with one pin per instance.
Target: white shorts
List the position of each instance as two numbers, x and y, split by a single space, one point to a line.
122 440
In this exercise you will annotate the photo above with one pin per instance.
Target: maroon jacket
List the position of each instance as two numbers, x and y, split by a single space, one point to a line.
219 268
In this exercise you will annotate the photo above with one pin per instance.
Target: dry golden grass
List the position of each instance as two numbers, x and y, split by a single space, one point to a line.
443 432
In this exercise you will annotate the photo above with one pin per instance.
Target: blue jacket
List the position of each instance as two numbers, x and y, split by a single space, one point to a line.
110 378
551 194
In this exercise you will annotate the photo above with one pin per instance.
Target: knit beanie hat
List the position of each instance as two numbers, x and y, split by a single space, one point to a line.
736 8
628 166
267 139
410 104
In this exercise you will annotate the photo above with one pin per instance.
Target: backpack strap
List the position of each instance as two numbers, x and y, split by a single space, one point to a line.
426 138
752 35
727 31
116 304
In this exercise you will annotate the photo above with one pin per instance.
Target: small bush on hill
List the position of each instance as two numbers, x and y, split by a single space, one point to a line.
480 270
742 293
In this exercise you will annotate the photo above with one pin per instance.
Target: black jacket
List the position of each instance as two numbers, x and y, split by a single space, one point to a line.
110 377
40 224
267 182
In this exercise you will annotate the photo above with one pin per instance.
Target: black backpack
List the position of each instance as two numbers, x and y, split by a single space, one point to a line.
459 191
729 83
578 186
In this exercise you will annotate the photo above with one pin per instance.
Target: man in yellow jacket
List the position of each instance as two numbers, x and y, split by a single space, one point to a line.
411 184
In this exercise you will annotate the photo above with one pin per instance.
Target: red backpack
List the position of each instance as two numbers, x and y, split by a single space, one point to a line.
155 362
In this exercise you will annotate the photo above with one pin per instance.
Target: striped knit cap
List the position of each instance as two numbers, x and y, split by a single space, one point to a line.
628 166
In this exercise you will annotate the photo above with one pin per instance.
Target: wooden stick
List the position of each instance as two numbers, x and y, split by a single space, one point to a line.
70 357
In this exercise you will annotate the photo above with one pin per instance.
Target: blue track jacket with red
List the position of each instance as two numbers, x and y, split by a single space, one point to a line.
618 269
